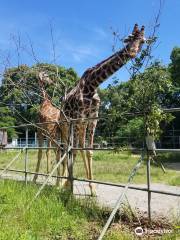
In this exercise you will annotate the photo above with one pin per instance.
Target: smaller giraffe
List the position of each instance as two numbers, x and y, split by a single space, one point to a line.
47 113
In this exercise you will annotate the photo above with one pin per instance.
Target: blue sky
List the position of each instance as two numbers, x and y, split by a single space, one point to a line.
82 29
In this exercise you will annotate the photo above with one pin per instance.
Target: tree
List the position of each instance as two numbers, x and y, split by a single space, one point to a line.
175 66
113 106
150 89
6 120
145 93
20 84
20 93
132 131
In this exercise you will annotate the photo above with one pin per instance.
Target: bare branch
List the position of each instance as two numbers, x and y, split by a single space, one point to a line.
31 52
53 42
16 39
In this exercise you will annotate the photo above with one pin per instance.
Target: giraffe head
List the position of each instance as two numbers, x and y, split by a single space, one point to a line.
135 41
44 78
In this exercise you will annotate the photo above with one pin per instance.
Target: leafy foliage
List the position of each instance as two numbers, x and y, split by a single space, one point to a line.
149 96
20 84
157 87
6 120
20 93
145 93
175 66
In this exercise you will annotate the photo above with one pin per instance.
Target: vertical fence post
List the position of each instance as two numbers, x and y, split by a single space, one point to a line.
35 139
70 157
26 156
150 148
149 185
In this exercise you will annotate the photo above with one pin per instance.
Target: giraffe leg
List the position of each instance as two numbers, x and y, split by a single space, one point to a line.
48 156
82 139
89 153
58 157
39 157
64 171
83 155
67 182
64 138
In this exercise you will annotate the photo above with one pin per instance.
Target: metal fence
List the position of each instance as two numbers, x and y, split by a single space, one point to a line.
167 142
69 154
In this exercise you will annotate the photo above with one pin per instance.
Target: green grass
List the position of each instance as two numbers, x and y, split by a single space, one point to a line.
53 216
116 167
107 166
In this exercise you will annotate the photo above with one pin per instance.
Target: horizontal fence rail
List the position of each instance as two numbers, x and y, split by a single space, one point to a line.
160 150
98 182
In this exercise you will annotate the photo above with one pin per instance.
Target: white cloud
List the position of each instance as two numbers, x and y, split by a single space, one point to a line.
100 32
79 52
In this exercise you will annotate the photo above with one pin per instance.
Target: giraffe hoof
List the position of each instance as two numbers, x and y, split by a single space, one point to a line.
58 183
93 190
34 179
93 194
66 185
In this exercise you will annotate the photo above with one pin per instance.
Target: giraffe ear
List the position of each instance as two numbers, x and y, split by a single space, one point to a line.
129 38
135 29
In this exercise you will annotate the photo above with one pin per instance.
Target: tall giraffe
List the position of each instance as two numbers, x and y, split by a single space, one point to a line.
51 131
83 101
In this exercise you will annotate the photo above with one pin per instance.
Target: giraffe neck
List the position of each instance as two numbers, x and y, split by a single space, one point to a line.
81 96
94 76
43 91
